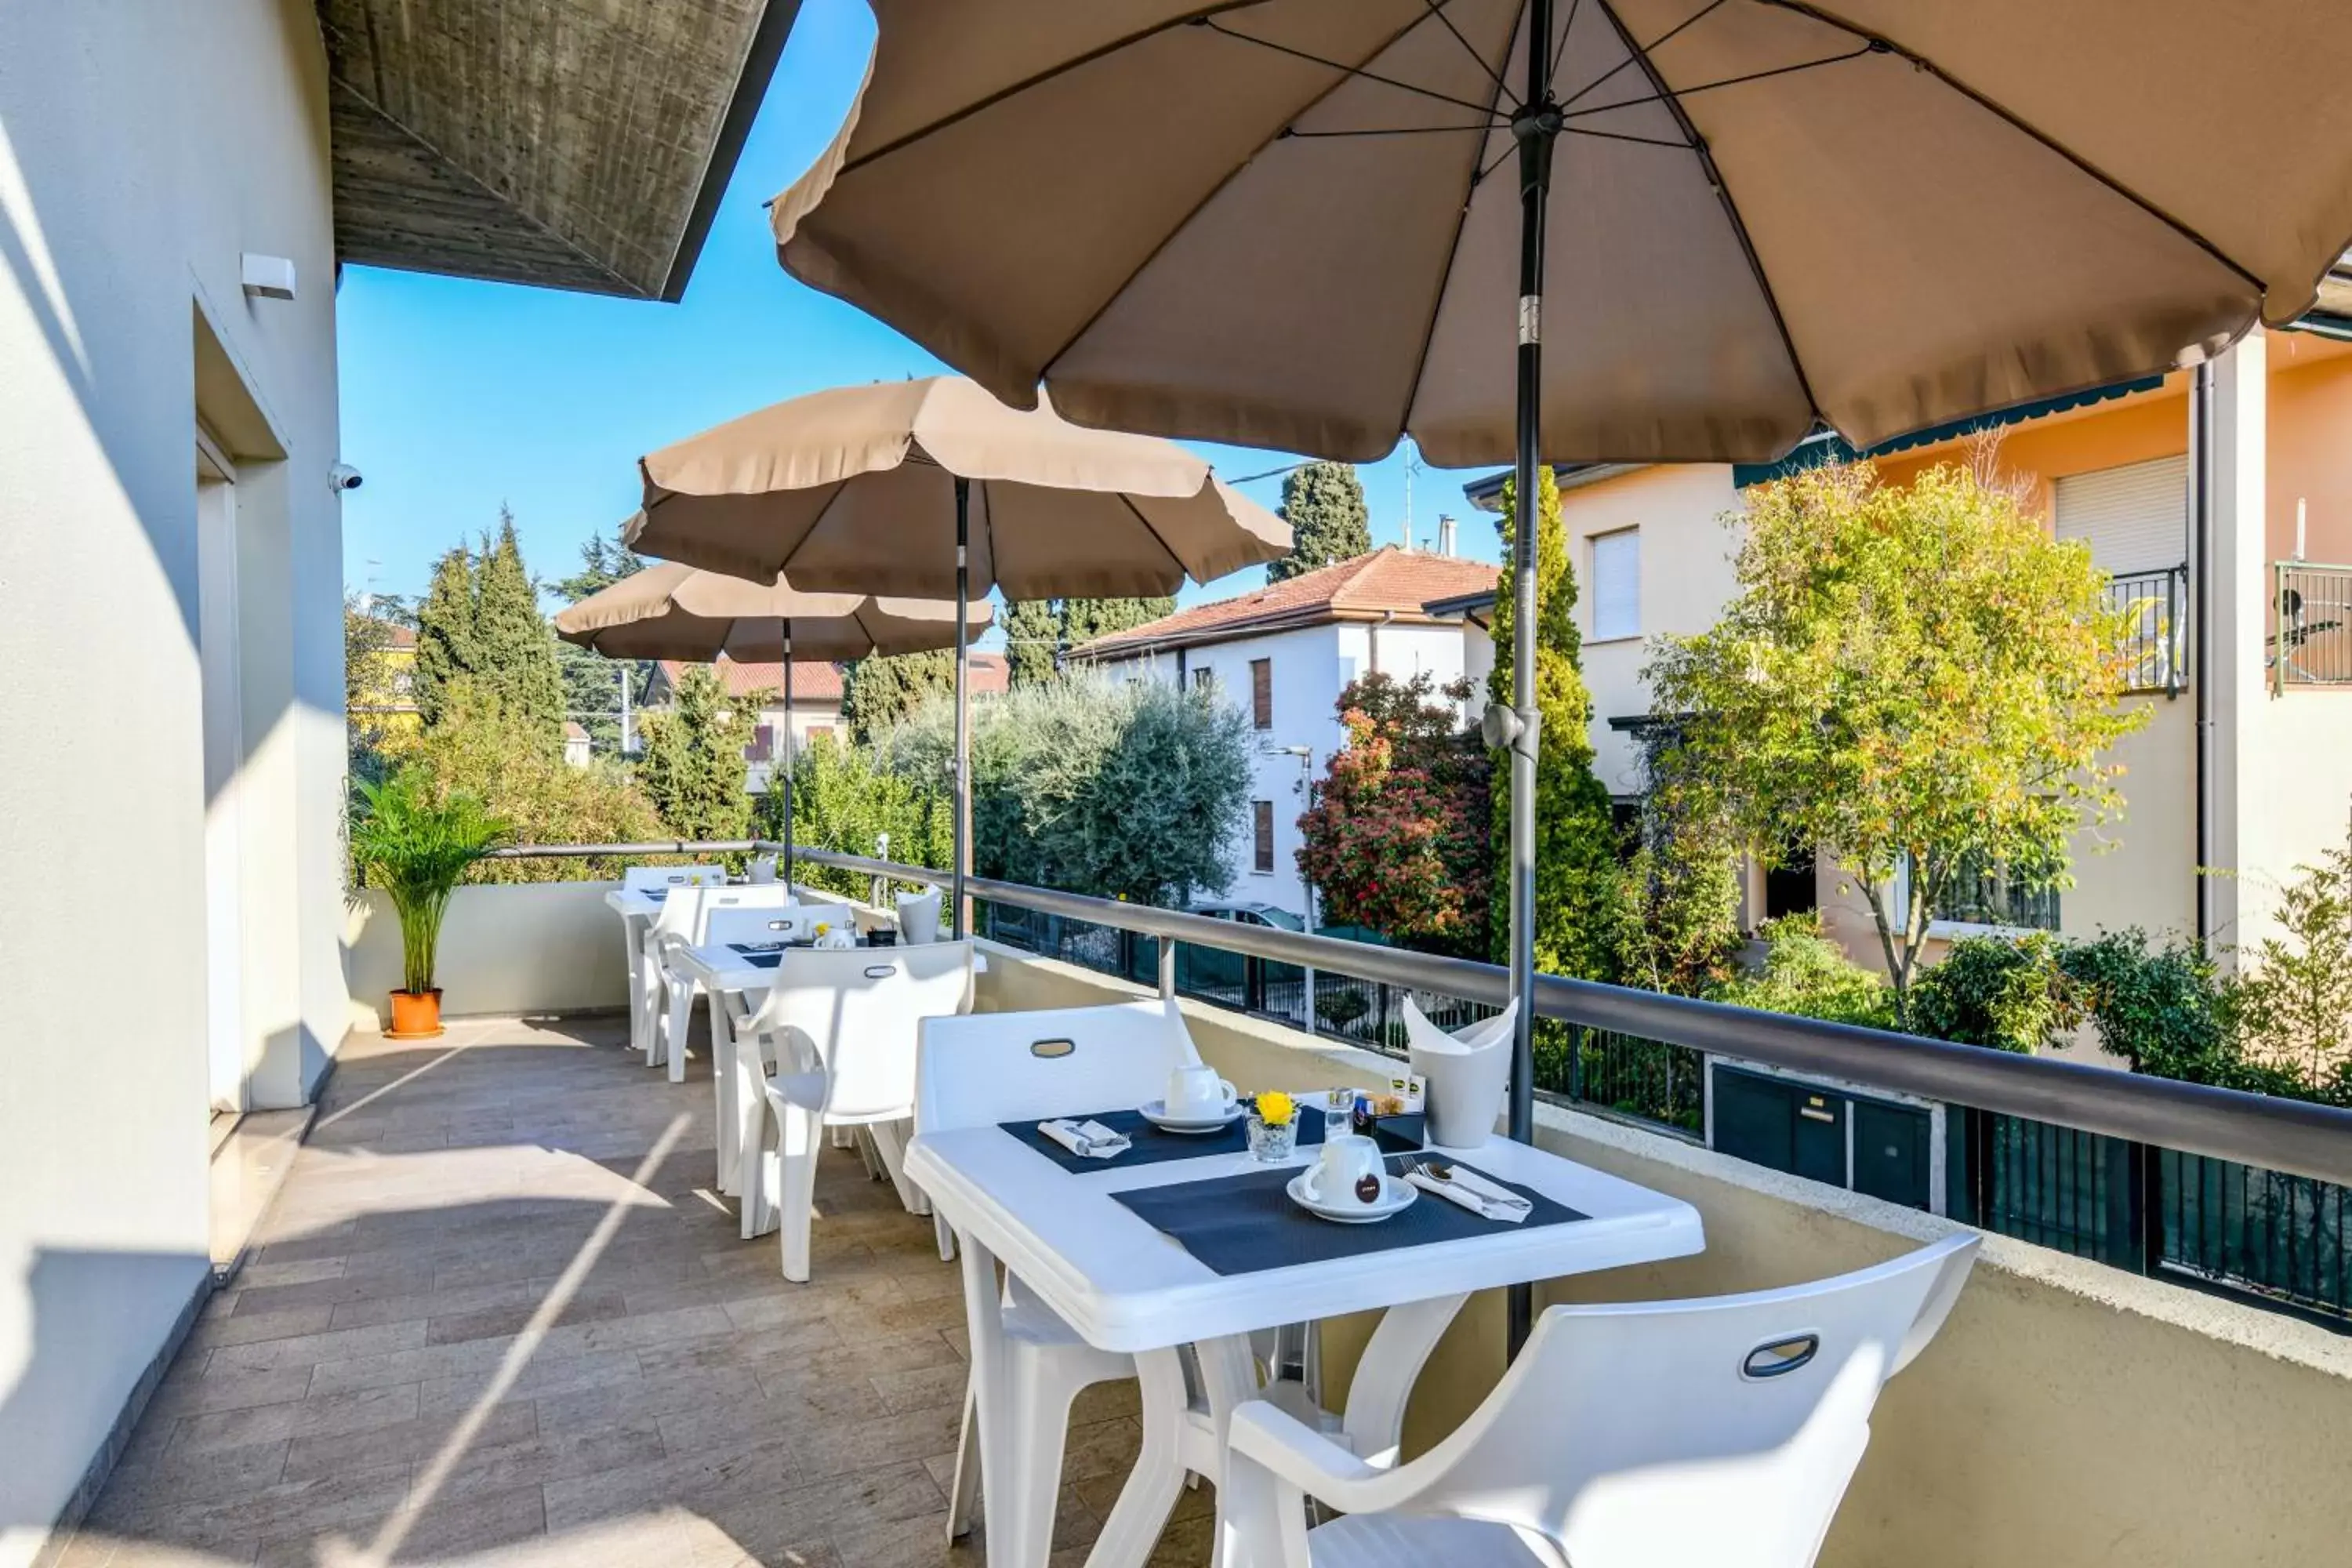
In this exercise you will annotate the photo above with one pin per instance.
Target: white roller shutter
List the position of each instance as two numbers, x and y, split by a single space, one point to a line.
2136 518
1617 585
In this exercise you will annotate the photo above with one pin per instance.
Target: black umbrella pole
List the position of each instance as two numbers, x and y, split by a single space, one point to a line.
1537 127
960 915
791 754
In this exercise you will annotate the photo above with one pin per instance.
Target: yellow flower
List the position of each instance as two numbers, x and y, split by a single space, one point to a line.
823 927
1273 1108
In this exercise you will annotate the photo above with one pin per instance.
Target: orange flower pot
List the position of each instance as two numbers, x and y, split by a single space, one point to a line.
416 1015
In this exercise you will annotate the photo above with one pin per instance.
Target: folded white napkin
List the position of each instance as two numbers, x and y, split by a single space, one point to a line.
1089 1139
1505 1206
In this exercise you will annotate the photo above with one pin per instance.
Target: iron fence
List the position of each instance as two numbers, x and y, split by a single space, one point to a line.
2311 625
2236 1227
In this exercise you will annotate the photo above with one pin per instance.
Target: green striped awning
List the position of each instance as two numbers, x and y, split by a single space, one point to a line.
1828 446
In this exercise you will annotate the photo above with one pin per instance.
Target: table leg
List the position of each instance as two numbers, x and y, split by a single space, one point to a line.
726 1091
983 1311
633 936
1152 1486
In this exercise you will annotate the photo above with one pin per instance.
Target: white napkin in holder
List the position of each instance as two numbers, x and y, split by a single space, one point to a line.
1466 1074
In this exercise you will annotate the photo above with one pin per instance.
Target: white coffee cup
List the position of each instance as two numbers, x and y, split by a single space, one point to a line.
1195 1089
1345 1160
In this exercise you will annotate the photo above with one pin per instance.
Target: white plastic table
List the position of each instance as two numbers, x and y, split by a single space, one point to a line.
1124 1286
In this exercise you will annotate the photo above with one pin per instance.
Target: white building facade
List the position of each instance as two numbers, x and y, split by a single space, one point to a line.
1283 656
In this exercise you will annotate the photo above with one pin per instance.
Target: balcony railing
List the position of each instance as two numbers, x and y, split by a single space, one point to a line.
2156 639
2311 625
2241 1192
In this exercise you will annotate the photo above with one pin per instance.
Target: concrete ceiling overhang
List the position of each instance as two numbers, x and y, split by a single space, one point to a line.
570 143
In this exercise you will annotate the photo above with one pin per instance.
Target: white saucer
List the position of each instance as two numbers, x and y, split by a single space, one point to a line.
1397 1194
1156 1112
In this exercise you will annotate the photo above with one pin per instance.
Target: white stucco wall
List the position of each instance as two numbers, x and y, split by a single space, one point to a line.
144 147
1687 577
506 947
1312 665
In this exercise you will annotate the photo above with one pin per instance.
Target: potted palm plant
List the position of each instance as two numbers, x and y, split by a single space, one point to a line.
418 848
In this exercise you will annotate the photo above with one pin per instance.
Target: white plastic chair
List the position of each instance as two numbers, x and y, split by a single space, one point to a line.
842 1028
1702 1433
731 1012
979 1070
637 877
919 917
683 922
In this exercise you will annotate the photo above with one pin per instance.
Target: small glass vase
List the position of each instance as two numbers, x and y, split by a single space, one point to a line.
1271 1143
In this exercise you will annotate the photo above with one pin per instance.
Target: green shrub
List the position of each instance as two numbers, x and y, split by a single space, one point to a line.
477 751
2013 994
844 798
1806 973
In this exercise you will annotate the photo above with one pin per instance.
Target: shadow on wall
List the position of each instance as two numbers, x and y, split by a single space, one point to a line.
76 1311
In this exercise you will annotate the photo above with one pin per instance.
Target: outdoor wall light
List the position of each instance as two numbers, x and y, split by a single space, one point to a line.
268 276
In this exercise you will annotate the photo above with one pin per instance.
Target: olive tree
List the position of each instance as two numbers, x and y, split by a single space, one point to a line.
1917 679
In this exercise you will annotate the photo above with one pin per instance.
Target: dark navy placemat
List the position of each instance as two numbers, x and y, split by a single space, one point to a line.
1149 1145
767 956
1240 1225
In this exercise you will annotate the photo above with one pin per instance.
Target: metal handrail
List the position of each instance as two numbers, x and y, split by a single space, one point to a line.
2288 1136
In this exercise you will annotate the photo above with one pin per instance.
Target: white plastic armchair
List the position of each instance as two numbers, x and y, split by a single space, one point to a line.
984 1069
1703 1434
842 1028
640 877
980 1069
685 922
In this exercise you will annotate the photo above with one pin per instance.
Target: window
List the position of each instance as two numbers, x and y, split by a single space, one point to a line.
1262 817
1617 586
1992 896
1204 679
2135 518
1261 693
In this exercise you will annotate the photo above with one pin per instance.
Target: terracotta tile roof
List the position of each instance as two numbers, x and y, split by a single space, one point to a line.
1363 588
574 730
813 681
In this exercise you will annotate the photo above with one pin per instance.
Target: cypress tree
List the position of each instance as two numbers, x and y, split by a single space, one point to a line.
1033 641
1577 872
1324 504
879 692
692 767
592 682
1085 619
515 646
446 646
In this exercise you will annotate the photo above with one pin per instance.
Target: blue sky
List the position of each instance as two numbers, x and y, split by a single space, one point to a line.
458 396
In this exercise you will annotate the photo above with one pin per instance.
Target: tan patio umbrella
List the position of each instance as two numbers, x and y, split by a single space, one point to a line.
933 487
672 611
1316 223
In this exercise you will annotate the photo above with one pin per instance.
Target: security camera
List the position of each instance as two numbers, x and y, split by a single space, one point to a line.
344 476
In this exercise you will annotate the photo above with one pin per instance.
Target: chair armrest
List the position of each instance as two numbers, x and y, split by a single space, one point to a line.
1299 1458
1297 1452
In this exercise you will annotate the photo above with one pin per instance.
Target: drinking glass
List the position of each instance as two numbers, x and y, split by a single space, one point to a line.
1338 1110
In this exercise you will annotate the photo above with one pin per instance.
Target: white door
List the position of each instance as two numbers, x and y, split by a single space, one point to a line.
2135 518
223 738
